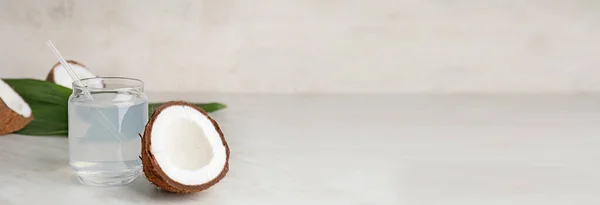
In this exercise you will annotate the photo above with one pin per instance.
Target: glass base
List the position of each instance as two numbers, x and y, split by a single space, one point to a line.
103 179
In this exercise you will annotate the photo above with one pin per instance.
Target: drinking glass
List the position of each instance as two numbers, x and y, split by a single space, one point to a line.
106 115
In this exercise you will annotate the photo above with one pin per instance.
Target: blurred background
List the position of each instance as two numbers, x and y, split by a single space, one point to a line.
314 46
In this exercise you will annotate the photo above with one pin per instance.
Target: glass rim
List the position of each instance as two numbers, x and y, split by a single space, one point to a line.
135 83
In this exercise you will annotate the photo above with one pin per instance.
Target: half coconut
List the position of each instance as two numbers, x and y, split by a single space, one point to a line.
59 75
15 113
183 149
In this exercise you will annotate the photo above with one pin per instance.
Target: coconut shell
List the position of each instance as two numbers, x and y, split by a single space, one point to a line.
153 171
11 121
50 76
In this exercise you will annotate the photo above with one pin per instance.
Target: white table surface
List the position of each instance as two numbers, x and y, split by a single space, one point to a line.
359 149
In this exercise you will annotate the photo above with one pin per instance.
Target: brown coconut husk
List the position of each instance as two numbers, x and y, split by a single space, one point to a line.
152 169
11 121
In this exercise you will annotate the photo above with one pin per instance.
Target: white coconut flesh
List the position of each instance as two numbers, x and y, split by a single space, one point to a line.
187 146
13 100
62 77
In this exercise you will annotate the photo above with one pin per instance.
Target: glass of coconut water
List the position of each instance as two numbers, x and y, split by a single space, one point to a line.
106 115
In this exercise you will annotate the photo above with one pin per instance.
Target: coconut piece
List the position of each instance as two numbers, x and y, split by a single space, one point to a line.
15 113
183 149
59 75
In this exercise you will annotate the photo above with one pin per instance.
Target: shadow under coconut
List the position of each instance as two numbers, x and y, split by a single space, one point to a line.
144 188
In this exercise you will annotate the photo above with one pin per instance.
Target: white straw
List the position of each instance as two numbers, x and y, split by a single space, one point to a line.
76 79
64 63
67 67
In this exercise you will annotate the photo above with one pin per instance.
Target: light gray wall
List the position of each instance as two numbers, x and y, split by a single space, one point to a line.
314 45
